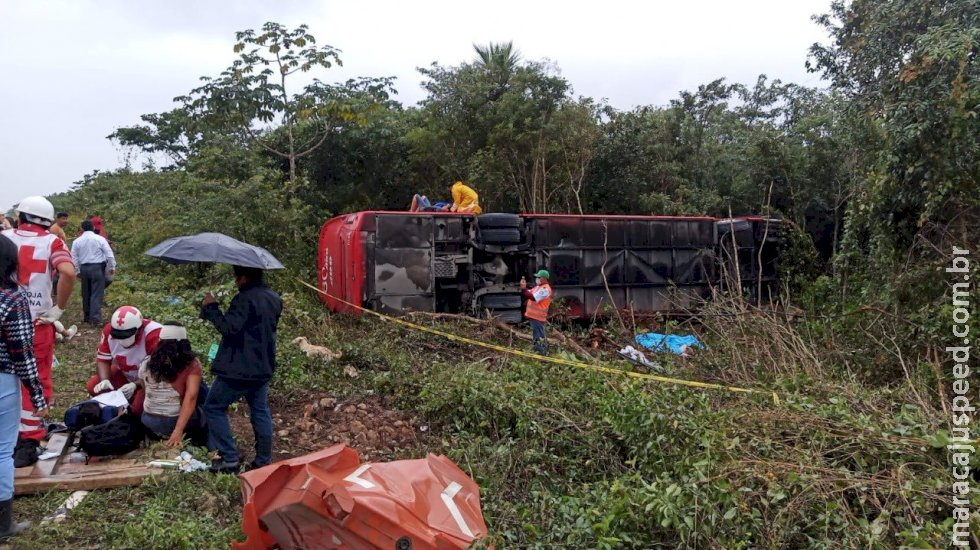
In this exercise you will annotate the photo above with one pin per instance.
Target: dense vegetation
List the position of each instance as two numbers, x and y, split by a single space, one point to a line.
878 175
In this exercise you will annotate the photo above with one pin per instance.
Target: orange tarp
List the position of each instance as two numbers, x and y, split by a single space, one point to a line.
328 499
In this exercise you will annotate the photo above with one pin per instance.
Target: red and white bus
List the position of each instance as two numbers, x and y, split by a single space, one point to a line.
395 262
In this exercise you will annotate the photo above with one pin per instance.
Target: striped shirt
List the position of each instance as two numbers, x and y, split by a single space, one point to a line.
17 343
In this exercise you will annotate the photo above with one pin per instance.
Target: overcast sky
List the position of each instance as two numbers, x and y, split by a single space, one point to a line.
75 70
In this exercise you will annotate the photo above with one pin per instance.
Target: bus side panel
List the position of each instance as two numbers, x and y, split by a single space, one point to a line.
643 263
402 272
341 263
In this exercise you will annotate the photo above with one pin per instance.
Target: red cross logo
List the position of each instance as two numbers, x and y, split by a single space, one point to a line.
28 266
123 312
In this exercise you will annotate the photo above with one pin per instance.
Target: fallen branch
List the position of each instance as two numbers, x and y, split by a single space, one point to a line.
605 281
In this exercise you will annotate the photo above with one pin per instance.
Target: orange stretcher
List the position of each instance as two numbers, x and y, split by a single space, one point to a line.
328 499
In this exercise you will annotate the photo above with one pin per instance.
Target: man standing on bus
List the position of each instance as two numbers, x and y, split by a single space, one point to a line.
538 301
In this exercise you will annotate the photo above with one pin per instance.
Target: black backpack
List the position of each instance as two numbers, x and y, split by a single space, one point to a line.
88 413
118 436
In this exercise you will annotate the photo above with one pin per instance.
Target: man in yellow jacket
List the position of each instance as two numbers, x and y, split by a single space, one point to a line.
465 199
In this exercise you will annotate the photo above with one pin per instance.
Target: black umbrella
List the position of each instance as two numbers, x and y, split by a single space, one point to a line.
214 247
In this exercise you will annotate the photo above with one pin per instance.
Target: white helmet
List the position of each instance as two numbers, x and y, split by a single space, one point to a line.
37 209
126 322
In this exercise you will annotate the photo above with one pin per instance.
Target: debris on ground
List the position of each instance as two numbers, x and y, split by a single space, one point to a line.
74 471
312 350
600 339
185 463
365 423
677 344
61 513
636 356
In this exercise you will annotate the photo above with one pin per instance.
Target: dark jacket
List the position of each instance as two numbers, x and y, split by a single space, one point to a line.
248 333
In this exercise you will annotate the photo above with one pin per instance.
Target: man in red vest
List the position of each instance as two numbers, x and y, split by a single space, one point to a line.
538 301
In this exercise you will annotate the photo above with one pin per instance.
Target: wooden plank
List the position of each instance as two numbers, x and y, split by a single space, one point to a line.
80 468
131 475
57 443
62 473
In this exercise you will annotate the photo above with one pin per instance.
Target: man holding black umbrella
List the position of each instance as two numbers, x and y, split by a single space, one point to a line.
243 367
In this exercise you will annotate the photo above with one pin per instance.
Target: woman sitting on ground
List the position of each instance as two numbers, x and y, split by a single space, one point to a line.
171 377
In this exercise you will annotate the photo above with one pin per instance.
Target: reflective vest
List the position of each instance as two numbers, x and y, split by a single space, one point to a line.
537 307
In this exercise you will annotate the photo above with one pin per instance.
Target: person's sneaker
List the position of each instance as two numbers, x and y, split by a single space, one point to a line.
58 337
25 453
219 466
72 331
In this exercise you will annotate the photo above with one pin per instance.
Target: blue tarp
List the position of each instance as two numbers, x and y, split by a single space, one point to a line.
663 342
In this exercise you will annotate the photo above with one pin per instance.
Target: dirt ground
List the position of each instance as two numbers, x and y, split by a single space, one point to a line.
320 420
302 424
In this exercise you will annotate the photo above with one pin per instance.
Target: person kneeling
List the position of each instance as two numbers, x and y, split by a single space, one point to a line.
171 378
127 340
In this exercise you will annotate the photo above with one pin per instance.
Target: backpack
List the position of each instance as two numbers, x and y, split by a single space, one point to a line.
88 413
118 436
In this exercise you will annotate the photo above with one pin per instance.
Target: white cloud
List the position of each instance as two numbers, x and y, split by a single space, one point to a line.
74 70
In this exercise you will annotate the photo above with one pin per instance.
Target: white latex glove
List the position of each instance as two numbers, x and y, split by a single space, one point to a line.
103 386
50 315
128 390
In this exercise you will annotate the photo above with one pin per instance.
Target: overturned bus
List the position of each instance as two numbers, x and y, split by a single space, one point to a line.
395 262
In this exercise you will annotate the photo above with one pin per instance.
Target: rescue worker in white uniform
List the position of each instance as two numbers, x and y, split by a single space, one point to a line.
127 340
40 256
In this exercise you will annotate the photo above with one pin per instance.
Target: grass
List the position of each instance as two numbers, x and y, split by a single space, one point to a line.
565 457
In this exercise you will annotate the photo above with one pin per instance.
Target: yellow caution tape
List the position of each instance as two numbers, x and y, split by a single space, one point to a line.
545 358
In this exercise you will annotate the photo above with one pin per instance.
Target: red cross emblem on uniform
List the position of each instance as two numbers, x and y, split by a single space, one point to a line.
123 312
27 265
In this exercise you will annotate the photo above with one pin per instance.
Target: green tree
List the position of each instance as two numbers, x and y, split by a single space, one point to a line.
256 90
578 133
500 60
908 71
511 127
498 56
166 133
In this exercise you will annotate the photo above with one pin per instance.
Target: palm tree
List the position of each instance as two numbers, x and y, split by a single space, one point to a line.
498 55
500 59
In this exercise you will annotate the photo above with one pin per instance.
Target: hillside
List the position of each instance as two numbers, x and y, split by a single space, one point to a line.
563 456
